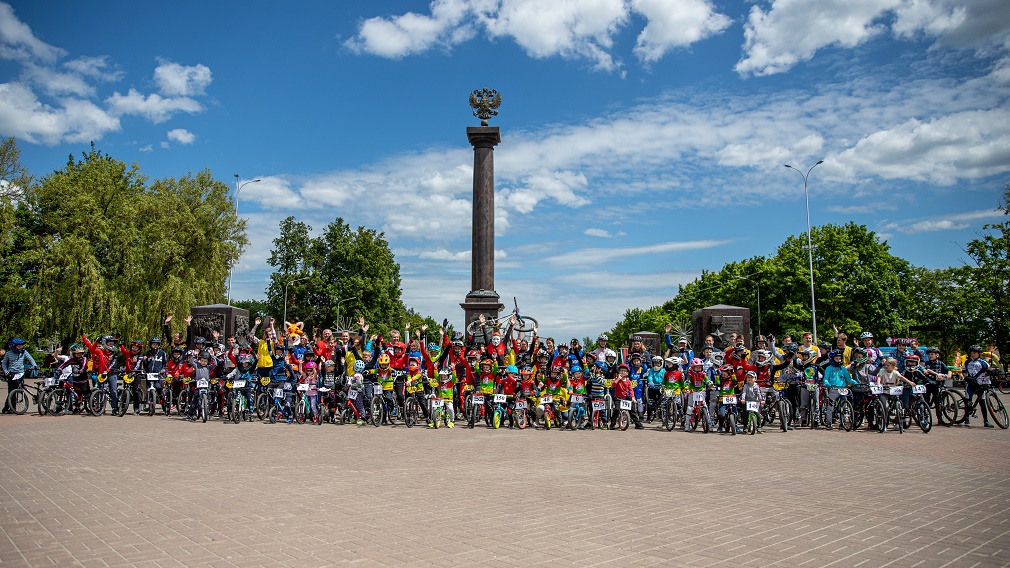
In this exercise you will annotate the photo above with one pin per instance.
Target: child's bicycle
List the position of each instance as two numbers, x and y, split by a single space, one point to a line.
986 396
600 417
280 408
698 412
753 417
670 408
577 416
238 401
729 403
918 411
844 411
549 418
523 324
624 416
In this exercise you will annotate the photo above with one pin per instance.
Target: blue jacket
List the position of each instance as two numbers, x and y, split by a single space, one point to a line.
656 377
838 377
639 377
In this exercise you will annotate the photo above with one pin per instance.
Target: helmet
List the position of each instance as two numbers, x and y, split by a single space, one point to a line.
329 363
175 350
359 366
136 342
155 339
15 343
433 347
683 339
445 372
246 360
759 339
763 357
526 370
726 369
858 355
975 348
383 360
76 348
656 359
576 369
603 337
696 362
624 366
199 339
205 354
609 353
400 345
310 366
673 361
473 354
912 360
636 356
834 354
807 354
457 336
866 335
791 348
413 362
637 338
740 352
719 357
933 350
824 345
486 361
751 374
512 370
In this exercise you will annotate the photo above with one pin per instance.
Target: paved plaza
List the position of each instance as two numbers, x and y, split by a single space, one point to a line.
160 492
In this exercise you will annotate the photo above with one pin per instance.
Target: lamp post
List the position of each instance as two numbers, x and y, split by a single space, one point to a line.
238 189
810 247
339 301
286 295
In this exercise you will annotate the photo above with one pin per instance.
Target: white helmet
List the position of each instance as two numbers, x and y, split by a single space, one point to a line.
675 361
763 357
657 359
609 353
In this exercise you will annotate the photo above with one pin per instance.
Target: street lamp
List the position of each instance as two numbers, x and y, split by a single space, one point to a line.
810 247
338 307
238 189
286 295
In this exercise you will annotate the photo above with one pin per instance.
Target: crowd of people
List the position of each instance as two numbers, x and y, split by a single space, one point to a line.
519 379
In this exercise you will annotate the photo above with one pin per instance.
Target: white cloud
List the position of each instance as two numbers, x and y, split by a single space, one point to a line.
175 80
570 29
99 68
148 148
603 255
24 116
182 136
443 254
954 22
953 222
17 41
675 23
153 107
969 144
594 232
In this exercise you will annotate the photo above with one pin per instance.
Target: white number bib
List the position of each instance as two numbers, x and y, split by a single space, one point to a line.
202 383
730 399
895 391
599 405
352 394
50 381
919 389
546 399
152 377
578 399
625 405
238 384
499 398
278 393
437 403
321 389
697 397
520 405
843 392
377 390
303 387
753 406
478 399
876 389
985 381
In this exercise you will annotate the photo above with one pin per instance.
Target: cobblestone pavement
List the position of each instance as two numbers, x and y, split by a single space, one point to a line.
159 492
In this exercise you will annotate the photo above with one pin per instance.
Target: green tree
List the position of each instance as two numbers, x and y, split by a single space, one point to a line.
990 278
354 267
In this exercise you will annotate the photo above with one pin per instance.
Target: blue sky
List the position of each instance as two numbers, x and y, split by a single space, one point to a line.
642 140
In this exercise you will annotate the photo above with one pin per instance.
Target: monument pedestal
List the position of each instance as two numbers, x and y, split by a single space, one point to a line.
226 320
479 302
482 298
720 321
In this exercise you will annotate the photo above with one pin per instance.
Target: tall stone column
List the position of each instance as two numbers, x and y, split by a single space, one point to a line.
482 298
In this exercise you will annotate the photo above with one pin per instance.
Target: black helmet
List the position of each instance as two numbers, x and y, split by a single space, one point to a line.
933 350
790 348
178 349
824 345
205 354
198 339
155 339
975 347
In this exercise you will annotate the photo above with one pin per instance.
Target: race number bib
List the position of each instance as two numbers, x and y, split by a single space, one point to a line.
478 399
520 405
697 397
578 399
499 398
730 399
278 393
152 377
238 384
895 391
985 381
919 389
599 405
876 389
377 390
437 403
843 392
50 381
753 406
202 383
303 387
625 405
352 394
546 399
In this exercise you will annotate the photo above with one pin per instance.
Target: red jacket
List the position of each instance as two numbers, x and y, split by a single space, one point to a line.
99 360
622 388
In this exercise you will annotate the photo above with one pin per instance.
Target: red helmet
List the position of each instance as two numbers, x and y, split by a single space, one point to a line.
473 354
726 369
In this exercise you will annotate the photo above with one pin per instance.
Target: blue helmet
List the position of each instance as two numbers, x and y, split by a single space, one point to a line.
433 347
576 369
15 343
512 369
359 366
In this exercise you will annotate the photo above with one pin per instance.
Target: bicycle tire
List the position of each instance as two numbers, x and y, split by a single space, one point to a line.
166 400
376 407
521 421
624 420
410 412
44 402
496 419
347 416
731 423
752 423
846 415
236 409
899 416
525 324
997 410
123 403
300 412
547 419
152 403
923 417
55 401
694 419
17 401
879 415
41 395
783 405
706 418
97 403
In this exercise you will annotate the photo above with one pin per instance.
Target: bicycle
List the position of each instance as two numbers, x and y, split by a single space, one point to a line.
624 418
987 396
100 397
548 418
670 408
303 407
154 395
599 418
728 402
950 404
66 397
577 416
893 410
280 406
523 324
384 409
844 410
918 411
202 398
698 412
264 399
475 409
238 401
19 399
753 417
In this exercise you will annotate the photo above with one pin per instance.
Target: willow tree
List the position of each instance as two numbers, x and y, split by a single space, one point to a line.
101 252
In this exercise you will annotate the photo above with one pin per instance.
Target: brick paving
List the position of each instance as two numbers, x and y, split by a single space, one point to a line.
160 492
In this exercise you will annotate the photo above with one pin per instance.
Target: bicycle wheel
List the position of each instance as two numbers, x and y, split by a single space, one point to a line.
922 416
783 411
525 324
624 420
899 416
521 421
236 409
694 419
166 400
997 410
846 417
56 401
204 404
124 402
376 407
411 412
547 419
879 415
706 417
347 416
40 402
17 401
96 403
731 423
496 418
752 423
263 403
